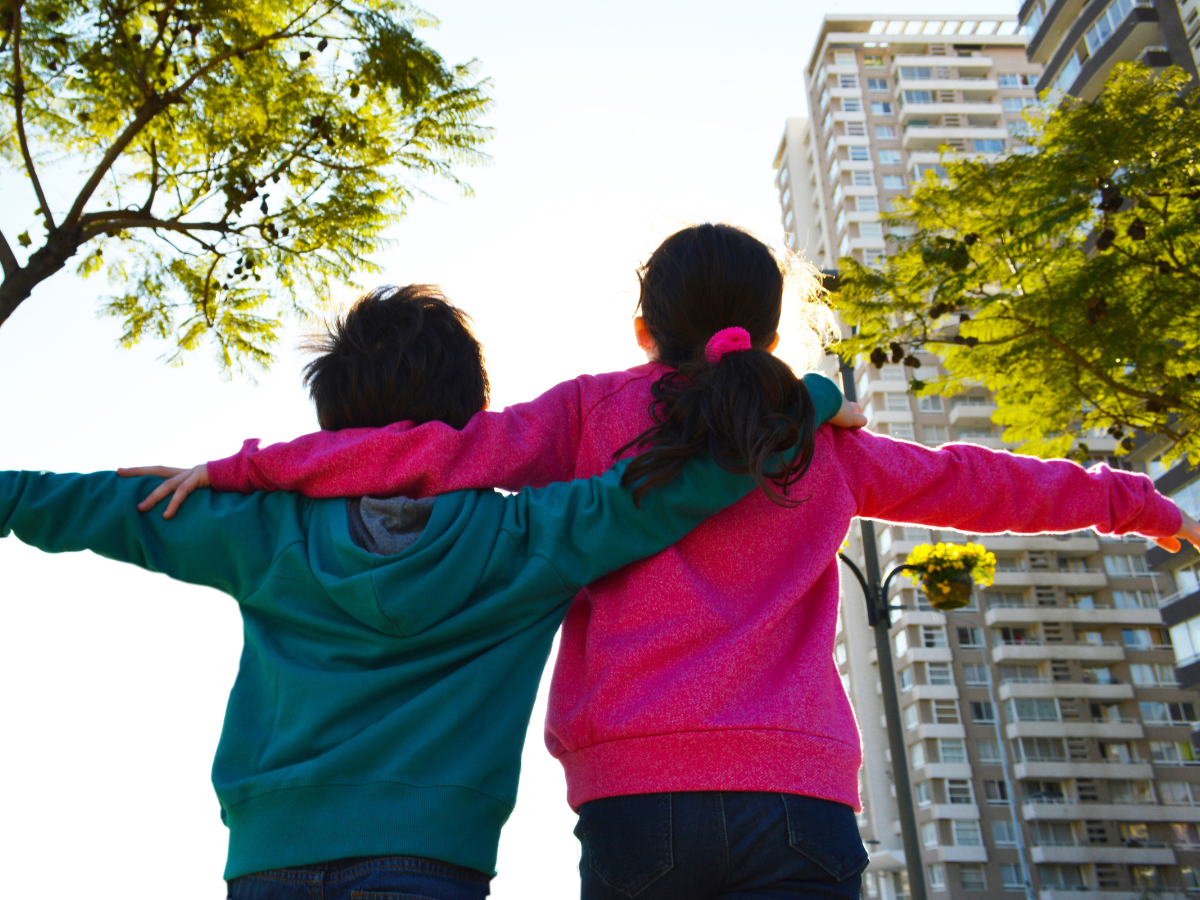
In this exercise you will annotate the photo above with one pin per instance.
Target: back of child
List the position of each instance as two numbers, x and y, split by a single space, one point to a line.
707 741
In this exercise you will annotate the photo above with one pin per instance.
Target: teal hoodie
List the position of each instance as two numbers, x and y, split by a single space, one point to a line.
381 702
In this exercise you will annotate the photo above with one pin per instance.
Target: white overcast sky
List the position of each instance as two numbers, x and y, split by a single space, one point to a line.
615 124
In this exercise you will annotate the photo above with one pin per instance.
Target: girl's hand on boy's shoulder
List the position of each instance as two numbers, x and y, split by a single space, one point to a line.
1189 531
849 416
180 481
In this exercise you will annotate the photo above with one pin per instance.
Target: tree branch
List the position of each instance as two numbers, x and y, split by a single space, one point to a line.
8 261
136 220
19 109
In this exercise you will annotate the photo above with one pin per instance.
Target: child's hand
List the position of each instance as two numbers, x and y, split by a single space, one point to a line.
181 481
849 416
1188 531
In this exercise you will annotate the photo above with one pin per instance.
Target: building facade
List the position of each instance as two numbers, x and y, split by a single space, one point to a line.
1078 42
1070 641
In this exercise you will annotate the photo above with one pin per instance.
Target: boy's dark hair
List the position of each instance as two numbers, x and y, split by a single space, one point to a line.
745 408
398 354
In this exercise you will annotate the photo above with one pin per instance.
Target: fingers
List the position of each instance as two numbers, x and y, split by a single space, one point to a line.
162 491
1169 544
185 488
155 471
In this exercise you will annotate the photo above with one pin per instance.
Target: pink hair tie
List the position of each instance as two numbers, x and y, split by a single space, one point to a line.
727 340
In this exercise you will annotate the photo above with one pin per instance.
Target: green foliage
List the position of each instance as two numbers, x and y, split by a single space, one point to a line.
1064 278
240 155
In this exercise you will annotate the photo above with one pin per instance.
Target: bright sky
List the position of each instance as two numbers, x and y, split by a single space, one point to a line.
615 125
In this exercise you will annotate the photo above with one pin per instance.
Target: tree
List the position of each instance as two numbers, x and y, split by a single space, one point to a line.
1064 279
237 155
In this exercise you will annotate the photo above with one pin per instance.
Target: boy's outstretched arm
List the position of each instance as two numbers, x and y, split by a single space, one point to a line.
225 541
527 445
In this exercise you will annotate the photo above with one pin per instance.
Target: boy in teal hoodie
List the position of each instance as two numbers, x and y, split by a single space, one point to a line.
393 647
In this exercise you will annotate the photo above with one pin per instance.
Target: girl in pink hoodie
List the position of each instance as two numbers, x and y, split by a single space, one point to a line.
695 706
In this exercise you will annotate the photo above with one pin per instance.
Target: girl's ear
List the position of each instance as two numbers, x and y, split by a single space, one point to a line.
774 343
645 340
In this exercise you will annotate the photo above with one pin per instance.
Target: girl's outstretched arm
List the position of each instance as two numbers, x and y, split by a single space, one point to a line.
527 445
974 489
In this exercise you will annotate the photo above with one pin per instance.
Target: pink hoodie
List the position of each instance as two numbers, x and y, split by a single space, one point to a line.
709 666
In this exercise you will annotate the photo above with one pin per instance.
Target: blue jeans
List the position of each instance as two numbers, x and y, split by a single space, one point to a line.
719 844
364 878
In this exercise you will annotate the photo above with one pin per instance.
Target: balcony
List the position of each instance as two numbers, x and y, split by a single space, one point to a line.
962 412
933 692
941 770
1088 893
1006 615
931 731
1090 854
1062 769
990 85
1117 812
1106 652
1066 689
1126 729
932 138
969 63
1080 578
954 811
932 110
1074 544
959 854
1050 34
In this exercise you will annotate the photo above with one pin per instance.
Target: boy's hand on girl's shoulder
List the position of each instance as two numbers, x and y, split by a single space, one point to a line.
1189 531
180 481
849 416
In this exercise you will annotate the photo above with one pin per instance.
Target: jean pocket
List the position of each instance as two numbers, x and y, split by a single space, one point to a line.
827 833
375 895
627 840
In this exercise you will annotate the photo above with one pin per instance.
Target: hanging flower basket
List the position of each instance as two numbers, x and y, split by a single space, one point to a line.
949 572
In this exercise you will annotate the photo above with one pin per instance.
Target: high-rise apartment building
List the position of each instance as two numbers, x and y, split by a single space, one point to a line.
1078 42
1069 640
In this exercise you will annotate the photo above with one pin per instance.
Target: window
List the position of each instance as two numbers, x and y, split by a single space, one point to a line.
972 877
912 717
881 108
852 104
860 154
893 182
982 712
889 158
918 96
871 231
1134 600
843 57
970 637
1143 673
958 792
906 679
1137 638
877 85
924 794
933 635
939 673
885 132
1016 104
856 129
899 432
937 876
989 751
974 675
1125 566
929 834
1123 791
1003 833
931 404
1011 876
1177 793
840 222
873 61
936 434
917 753
966 833
952 750
1171 753
901 642
848 82
1067 878
916 73
1032 709
1017 81
945 712
867 204
1168 713
991 145
862 179
995 792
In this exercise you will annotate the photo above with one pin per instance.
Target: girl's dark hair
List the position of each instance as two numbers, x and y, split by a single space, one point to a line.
746 407
399 354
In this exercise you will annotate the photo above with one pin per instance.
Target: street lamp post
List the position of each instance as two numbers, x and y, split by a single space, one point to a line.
879 619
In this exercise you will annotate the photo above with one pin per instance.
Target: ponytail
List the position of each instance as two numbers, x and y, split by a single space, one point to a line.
727 396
